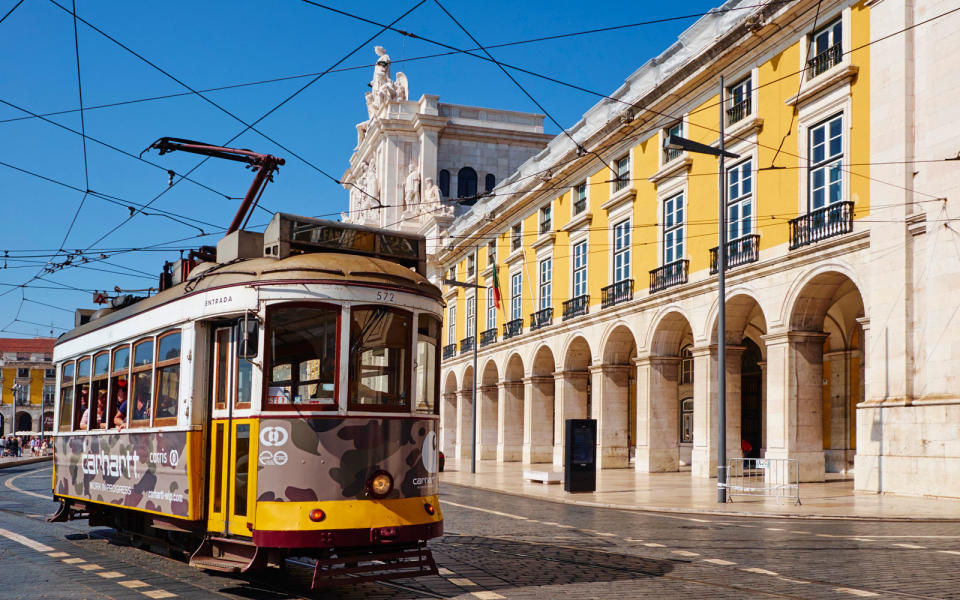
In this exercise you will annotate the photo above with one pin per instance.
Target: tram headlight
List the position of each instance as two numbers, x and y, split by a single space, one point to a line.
317 515
380 484
429 508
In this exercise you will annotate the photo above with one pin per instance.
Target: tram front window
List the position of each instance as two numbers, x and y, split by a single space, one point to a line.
428 355
379 375
303 356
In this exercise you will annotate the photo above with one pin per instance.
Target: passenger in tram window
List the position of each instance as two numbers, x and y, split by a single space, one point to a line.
141 405
102 409
166 407
120 419
84 406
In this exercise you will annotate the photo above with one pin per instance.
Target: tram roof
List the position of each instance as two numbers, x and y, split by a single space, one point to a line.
330 267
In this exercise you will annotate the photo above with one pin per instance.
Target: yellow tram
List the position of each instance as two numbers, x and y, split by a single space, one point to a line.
280 400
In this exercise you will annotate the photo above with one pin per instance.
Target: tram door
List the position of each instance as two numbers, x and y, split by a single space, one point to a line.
232 440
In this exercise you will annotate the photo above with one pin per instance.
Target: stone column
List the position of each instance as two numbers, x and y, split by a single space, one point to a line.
538 419
795 400
570 402
763 407
839 457
734 355
448 424
464 424
658 414
868 456
610 410
704 453
487 423
510 421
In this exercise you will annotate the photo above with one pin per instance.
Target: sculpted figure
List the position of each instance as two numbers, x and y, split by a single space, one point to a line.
431 197
411 188
382 89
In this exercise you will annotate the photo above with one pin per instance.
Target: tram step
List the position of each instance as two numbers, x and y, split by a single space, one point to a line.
230 556
218 564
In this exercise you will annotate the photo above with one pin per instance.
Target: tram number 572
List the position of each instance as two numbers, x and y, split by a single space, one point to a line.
384 296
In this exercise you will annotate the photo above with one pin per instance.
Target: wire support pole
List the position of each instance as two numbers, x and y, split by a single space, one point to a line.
722 320
473 400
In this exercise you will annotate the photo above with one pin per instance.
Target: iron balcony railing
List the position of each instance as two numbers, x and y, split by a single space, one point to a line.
621 182
575 307
827 222
540 319
669 275
739 252
23 401
466 345
450 350
616 293
671 154
826 59
738 111
488 336
512 328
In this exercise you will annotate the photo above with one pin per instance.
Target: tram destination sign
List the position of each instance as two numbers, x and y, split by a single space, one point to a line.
145 471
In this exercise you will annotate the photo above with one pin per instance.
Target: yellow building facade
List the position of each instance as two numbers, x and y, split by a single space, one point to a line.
28 381
605 252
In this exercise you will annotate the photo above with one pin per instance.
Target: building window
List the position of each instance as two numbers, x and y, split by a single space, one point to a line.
672 153
826 47
580 269
825 156
491 309
471 265
489 182
48 393
739 101
491 253
580 198
21 393
686 364
686 421
623 174
452 273
673 229
621 251
471 316
516 285
452 323
23 373
466 182
443 182
739 200
49 373
516 237
546 283
546 219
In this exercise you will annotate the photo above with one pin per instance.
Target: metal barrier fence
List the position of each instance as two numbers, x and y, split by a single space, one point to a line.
766 477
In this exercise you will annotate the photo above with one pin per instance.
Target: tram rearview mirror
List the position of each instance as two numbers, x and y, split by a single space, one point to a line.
248 337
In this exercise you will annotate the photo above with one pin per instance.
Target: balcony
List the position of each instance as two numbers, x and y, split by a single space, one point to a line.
826 59
669 275
540 319
827 222
620 291
576 307
450 350
739 252
488 337
738 111
512 328
670 154
621 182
466 345
23 401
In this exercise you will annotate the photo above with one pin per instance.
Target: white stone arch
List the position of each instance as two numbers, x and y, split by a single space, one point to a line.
609 331
646 342
568 344
450 379
489 366
534 358
739 290
513 367
795 291
656 323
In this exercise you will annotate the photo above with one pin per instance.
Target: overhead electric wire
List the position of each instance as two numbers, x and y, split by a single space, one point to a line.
10 12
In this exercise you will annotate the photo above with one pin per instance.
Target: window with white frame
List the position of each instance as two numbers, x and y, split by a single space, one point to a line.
580 269
739 200
452 323
516 286
826 47
673 229
471 316
825 158
21 393
49 391
491 253
580 198
546 283
739 99
623 173
672 153
546 219
471 265
621 251
491 309
516 237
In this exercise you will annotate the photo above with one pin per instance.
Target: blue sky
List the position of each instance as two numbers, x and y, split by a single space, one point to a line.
219 43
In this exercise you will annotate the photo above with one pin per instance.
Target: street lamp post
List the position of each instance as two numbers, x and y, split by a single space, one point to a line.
675 142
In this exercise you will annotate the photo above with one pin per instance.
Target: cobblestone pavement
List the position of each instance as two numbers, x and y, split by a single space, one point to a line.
500 546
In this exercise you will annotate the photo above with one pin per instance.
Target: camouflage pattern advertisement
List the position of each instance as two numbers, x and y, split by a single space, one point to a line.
305 460
136 470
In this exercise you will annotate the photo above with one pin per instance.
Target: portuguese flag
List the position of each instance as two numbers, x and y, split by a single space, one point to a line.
496 289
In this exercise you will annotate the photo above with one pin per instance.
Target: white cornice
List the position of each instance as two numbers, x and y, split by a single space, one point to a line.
836 76
671 169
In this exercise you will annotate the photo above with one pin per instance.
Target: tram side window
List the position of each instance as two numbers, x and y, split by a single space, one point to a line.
168 378
119 387
303 356
428 357
66 396
98 397
380 339
142 378
81 413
